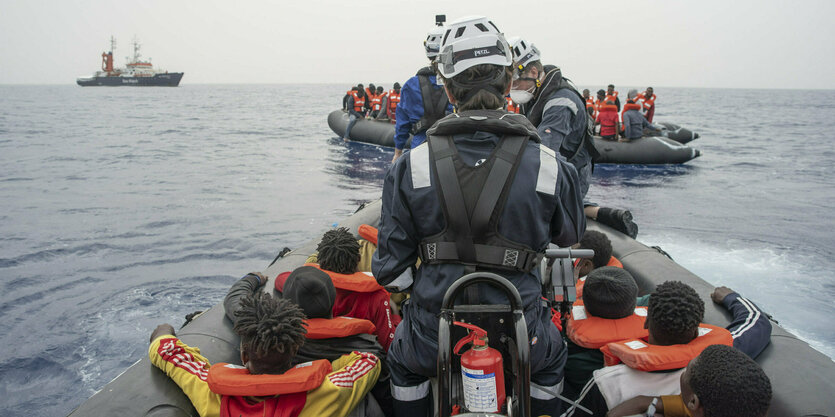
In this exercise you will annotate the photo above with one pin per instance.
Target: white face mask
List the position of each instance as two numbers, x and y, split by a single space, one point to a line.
521 96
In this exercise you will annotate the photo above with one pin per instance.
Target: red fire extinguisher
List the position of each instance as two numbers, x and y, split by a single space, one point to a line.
482 373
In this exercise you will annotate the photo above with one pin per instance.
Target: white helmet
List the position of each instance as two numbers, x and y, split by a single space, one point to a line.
524 52
471 41
432 44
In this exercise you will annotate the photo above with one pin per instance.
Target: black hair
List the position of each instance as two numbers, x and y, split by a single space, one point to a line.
379 88
601 91
601 245
610 293
396 85
480 87
729 383
674 313
339 251
611 85
271 332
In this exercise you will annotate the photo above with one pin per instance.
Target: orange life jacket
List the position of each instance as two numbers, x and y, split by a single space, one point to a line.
235 380
511 106
359 102
358 281
394 98
377 101
593 332
611 97
368 233
590 102
582 281
640 355
647 103
338 327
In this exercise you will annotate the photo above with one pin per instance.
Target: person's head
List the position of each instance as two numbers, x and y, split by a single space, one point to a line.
271 332
674 313
610 293
360 90
396 87
724 382
601 94
610 89
602 247
527 70
339 251
474 63
432 43
632 94
312 290
586 93
354 89
379 89
372 88
649 91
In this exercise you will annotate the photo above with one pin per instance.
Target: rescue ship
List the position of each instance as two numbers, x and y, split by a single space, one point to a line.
137 73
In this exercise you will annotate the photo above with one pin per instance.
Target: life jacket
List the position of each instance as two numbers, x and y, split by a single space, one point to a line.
337 327
474 239
648 105
235 380
593 332
607 108
394 98
358 281
590 103
611 97
582 281
377 102
640 355
368 233
359 102
511 106
434 99
551 83
626 107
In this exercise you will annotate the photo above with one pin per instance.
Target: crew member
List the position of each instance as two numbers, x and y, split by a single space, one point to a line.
271 332
427 198
393 100
553 105
356 110
612 95
634 122
676 336
422 100
647 100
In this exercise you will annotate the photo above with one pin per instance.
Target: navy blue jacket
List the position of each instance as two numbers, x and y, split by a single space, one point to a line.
544 206
409 111
563 123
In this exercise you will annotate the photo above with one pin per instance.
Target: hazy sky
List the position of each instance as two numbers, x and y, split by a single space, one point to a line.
727 43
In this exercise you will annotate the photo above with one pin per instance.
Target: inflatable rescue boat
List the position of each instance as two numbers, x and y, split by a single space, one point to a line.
803 379
647 150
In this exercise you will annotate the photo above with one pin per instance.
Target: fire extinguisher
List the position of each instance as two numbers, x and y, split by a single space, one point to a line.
482 373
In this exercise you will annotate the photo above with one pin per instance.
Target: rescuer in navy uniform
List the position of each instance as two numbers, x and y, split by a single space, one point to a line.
422 100
488 162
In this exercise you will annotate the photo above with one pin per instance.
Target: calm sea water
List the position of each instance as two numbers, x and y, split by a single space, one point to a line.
124 208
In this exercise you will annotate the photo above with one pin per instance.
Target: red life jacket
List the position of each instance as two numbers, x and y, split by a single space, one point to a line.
592 332
235 380
607 108
337 327
511 106
582 281
394 98
640 355
648 105
377 101
368 233
359 102
611 97
358 281
590 102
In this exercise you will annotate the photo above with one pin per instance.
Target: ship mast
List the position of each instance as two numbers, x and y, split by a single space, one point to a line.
136 54
112 43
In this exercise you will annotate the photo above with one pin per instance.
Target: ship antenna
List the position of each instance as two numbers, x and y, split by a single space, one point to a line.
112 43
136 53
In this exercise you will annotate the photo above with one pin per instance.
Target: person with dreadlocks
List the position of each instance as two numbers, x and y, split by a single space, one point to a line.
676 335
271 332
358 294
602 247
721 382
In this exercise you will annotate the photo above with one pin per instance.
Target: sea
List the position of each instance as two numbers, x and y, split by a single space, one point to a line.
124 208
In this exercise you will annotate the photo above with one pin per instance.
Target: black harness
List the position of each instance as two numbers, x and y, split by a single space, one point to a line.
435 102
473 198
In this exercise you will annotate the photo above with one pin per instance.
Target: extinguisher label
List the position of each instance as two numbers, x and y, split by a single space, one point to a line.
479 390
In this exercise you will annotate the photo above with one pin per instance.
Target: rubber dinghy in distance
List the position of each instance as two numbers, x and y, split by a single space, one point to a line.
803 379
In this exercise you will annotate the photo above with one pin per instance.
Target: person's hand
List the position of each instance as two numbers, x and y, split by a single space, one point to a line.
720 293
637 405
262 279
397 154
162 330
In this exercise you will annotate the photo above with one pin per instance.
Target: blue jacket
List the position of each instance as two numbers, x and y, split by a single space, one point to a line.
409 111
563 124
544 205
634 124
750 328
